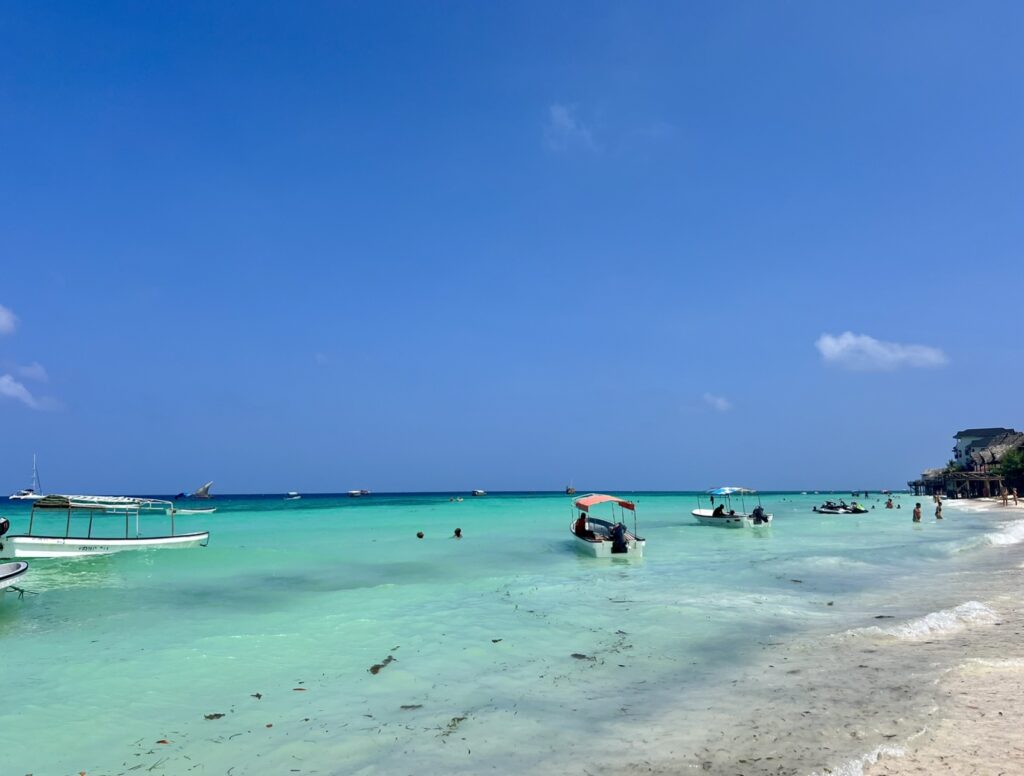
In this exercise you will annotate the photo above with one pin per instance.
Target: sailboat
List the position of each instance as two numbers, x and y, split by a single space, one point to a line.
202 492
29 494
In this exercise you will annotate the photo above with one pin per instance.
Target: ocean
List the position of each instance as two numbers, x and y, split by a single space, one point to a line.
320 636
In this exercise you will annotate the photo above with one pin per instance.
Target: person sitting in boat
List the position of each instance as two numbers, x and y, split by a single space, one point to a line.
580 529
719 511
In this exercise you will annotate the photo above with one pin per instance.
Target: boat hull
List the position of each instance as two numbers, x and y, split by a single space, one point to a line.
12 572
706 517
72 547
603 549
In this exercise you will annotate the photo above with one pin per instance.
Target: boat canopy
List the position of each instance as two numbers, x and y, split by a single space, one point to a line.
101 503
584 504
730 491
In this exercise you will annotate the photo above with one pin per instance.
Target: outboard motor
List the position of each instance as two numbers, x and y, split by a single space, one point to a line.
619 538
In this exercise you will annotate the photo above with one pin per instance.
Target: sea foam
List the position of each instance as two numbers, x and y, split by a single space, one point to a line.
934 623
1011 533
855 767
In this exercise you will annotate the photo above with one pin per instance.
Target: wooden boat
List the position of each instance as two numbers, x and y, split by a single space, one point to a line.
725 516
78 515
203 491
602 538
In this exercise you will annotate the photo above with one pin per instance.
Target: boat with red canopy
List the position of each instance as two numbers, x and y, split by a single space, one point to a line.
604 538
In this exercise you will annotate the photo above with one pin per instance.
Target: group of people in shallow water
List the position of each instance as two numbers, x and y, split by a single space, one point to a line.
938 509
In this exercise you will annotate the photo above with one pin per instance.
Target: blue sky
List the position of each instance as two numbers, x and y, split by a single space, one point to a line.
457 245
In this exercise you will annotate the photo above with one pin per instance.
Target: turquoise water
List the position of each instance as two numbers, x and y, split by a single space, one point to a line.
505 651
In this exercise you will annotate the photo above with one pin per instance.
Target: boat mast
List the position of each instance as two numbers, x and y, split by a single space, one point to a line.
35 475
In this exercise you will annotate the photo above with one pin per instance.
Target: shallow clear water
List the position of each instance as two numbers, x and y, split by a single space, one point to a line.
508 650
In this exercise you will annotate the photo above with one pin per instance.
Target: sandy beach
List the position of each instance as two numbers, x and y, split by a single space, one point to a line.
976 725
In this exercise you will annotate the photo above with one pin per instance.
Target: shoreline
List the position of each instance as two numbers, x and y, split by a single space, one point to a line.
975 729
939 692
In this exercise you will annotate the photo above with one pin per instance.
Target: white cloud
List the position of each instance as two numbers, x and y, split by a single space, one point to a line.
12 389
8 320
719 403
861 352
34 371
563 130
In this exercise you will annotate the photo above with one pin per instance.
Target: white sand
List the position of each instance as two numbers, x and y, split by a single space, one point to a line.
977 728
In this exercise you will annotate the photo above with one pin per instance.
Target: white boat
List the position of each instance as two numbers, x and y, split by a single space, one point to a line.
77 515
203 491
479 492
12 572
725 515
180 511
602 538
358 493
29 494
291 496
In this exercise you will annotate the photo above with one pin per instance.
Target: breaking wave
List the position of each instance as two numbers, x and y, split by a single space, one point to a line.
855 767
1011 533
934 623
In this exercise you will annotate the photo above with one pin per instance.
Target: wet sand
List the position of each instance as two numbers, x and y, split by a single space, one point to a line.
976 727
979 730
940 694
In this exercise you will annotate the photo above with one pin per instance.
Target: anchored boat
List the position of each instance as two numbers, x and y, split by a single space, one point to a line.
724 515
12 572
29 494
82 516
602 538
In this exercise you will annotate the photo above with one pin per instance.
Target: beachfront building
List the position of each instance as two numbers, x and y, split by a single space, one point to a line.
972 439
973 472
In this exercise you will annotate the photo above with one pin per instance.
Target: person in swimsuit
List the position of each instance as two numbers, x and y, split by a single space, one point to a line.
917 512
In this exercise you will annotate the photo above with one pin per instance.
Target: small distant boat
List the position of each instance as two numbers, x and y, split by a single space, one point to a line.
358 493
75 510
725 516
479 492
204 491
204 511
12 572
292 496
602 538
29 494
